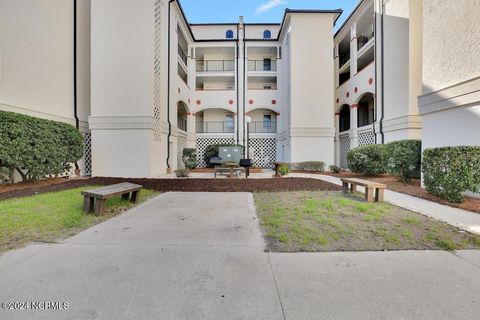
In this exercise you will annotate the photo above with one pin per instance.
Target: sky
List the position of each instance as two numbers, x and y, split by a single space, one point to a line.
200 11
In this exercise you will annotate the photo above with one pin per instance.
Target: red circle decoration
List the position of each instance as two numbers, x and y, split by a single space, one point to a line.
274 101
199 102
370 80
230 101
250 101
348 94
356 89
338 100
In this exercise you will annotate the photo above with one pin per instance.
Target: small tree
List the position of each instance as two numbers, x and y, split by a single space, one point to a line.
189 158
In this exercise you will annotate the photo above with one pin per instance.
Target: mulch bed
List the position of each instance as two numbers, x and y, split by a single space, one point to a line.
165 185
412 188
212 170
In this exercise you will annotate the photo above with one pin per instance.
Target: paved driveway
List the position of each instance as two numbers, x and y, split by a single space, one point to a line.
200 256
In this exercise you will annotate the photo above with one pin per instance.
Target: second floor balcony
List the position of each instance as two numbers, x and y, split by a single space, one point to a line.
266 126
215 126
215 65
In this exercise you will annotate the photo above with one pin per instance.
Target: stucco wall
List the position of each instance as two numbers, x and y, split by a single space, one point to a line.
451 42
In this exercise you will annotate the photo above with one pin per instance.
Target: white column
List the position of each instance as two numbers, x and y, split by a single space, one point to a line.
353 126
336 57
353 50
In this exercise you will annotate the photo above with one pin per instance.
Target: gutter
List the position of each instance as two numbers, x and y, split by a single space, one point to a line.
75 103
238 94
168 88
382 70
243 85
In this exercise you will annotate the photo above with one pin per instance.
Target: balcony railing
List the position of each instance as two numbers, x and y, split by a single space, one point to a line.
343 58
262 65
215 65
366 36
182 55
182 124
262 127
215 127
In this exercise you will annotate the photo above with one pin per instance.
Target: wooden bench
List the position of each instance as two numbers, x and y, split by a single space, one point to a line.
373 190
230 172
100 195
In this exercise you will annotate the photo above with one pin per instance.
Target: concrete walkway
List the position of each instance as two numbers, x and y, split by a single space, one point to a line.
463 219
201 256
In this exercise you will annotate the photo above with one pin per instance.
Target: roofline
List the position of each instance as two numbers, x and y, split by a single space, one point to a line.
348 18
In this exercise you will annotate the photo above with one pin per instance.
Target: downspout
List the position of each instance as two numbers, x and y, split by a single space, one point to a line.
238 94
168 89
375 46
244 91
382 54
75 94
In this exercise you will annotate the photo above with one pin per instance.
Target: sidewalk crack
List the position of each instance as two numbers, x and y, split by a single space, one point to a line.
276 286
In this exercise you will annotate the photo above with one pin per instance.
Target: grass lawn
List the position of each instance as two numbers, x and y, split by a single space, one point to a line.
52 216
332 221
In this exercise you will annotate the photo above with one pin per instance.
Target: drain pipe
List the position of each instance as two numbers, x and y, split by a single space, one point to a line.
168 89
382 55
75 93
238 94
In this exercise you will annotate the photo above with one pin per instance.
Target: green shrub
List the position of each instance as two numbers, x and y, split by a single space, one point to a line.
317 166
189 158
212 151
283 169
367 160
182 173
450 171
36 147
335 169
402 159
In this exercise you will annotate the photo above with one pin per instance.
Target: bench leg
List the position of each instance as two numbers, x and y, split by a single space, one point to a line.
135 196
99 206
353 188
87 204
125 196
379 195
345 187
369 194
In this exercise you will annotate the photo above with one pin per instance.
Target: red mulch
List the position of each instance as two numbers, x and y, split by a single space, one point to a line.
412 188
212 170
165 185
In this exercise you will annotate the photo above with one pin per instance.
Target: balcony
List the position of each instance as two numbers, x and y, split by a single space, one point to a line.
265 65
366 36
215 127
263 127
343 58
215 65
182 55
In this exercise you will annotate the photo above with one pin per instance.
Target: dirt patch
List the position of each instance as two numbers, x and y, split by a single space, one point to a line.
185 185
332 221
412 188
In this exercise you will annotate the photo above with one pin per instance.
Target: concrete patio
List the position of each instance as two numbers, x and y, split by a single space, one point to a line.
201 256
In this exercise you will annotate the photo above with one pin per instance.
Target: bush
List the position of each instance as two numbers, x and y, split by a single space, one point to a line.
335 169
367 160
450 171
36 147
310 166
189 158
182 173
283 169
212 151
402 159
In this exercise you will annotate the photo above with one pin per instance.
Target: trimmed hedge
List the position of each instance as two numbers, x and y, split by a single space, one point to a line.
316 166
402 159
448 172
367 160
37 147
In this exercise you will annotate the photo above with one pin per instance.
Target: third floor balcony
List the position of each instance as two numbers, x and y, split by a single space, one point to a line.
215 65
265 65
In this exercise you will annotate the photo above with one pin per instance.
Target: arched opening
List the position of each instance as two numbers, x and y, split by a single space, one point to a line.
366 110
229 34
182 113
267 34
215 120
263 121
344 121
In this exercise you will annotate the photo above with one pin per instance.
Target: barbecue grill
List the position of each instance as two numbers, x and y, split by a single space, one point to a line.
246 163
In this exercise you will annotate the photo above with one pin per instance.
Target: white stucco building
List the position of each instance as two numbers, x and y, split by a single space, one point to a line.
290 91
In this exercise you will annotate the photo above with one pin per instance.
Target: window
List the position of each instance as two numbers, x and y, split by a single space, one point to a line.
267 64
267 121
344 124
229 34
229 123
267 34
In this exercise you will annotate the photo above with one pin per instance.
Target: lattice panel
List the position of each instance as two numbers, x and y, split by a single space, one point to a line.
203 143
181 144
344 148
157 98
366 138
263 151
87 141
